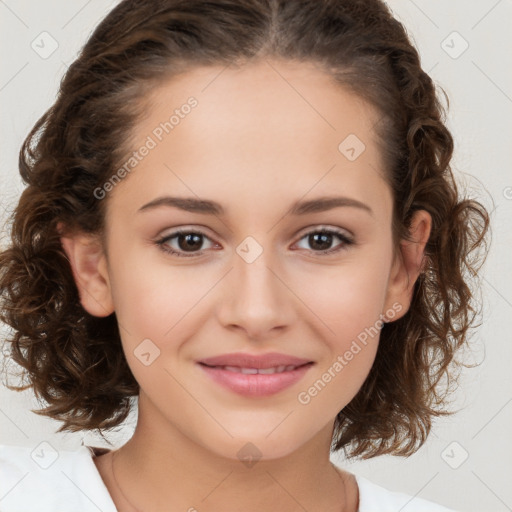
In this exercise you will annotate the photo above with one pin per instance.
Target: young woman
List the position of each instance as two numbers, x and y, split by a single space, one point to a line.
242 214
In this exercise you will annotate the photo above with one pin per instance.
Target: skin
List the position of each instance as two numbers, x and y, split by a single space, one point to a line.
263 136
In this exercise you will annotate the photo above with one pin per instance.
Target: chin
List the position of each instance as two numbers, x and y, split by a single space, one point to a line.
249 449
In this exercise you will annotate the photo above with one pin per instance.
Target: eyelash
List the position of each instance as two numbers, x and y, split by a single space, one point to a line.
347 241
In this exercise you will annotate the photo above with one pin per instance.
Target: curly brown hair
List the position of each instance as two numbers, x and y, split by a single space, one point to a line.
74 361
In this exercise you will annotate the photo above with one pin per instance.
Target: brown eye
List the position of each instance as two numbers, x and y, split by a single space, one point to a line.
190 241
320 241
183 242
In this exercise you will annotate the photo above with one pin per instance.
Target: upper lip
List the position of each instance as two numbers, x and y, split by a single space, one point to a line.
243 360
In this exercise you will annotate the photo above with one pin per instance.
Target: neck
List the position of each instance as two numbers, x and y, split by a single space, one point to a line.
160 468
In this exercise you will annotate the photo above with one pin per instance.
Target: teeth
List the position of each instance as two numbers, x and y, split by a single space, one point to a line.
249 370
270 370
264 371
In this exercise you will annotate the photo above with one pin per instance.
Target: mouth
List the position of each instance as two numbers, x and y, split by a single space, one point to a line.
258 361
261 371
256 382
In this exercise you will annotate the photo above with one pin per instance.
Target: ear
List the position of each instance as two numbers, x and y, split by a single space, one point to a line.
408 264
89 265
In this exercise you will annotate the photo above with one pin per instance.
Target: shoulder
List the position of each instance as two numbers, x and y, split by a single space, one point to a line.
374 498
45 479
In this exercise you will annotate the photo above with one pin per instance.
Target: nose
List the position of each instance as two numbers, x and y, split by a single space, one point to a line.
255 296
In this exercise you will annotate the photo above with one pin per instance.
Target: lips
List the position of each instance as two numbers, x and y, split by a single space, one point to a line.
264 361
255 376
261 371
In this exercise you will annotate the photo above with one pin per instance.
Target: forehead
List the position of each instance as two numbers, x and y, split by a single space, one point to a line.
255 129
260 98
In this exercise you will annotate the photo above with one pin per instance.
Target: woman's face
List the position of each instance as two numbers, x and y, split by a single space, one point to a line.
250 162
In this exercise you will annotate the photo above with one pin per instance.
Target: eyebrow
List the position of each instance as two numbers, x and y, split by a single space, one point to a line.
191 204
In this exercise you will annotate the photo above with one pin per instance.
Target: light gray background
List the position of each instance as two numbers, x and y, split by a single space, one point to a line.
479 84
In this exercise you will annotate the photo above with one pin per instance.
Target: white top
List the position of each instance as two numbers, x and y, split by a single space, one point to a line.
45 480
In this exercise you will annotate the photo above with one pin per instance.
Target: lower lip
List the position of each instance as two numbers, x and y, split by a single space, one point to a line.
256 384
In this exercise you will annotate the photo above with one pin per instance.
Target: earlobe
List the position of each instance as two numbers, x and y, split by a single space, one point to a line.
88 263
409 263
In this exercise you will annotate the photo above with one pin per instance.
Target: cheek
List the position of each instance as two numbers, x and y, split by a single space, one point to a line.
347 302
350 297
155 307
150 295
